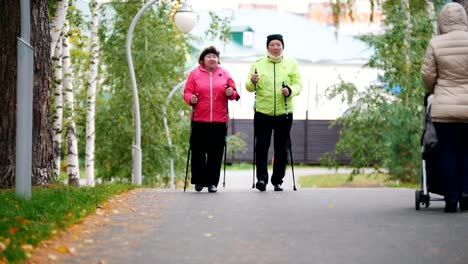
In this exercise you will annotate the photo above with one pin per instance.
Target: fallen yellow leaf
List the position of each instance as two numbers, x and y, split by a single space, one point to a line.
2 247
27 248
62 249
70 214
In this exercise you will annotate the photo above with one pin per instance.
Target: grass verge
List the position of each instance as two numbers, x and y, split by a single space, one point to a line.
24 224
343 180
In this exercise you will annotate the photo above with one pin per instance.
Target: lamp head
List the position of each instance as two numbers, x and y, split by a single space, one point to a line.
185 19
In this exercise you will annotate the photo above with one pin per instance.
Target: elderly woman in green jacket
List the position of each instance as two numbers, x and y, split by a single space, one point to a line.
445 74
275 80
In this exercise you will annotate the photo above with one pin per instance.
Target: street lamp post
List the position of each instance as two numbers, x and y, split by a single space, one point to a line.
185 20
166 129
24 106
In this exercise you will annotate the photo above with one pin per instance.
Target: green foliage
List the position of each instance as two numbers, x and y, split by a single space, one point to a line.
342 180
236 143
220 28
382 127
50 210
159 55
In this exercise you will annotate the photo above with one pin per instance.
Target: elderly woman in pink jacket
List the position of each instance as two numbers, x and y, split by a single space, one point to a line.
445 75
208 89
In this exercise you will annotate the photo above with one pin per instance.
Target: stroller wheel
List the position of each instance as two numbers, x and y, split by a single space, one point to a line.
417 199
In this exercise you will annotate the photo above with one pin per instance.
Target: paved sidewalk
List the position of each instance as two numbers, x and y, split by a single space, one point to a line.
332 226
242 179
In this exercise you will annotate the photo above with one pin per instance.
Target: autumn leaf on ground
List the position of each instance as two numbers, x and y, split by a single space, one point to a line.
2 247
52 257
27 248
13 230
69 215
23 221
62 249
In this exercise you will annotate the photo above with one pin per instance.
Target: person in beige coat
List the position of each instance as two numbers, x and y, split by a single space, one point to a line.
445 75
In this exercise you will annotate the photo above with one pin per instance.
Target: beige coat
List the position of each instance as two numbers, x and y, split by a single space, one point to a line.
445 68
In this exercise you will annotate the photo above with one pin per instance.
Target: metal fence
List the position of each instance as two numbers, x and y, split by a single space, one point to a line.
310 140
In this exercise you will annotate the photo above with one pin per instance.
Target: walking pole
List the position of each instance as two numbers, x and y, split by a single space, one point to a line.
190 147
292 163
254 137
289 138
225 139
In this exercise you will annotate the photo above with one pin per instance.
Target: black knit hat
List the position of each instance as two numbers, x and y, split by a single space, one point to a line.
273 37
210 49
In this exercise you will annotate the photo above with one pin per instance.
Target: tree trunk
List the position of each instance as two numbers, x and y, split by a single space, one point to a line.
92 82
42 125
9 30
56 25
68 100
57 62
42 121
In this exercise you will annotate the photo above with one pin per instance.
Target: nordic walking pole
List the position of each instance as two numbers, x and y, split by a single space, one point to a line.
292 163
225 138
190 146
254 137
289 138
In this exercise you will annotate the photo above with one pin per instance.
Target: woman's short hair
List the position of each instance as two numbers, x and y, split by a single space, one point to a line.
210 49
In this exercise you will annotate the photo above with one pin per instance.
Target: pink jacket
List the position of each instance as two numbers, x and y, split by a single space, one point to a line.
211 92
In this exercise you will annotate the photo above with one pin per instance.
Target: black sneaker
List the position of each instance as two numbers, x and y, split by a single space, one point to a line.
212 189
198 187
261 186
278 188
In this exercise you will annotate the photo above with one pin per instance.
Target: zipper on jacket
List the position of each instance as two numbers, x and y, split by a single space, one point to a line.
274 88
211 97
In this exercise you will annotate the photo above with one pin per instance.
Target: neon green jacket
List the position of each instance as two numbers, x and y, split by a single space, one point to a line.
269 99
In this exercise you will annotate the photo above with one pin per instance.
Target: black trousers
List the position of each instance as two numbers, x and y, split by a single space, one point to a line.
452 158
264 125
207 143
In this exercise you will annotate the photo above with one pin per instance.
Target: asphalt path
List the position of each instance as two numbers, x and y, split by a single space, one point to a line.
242 225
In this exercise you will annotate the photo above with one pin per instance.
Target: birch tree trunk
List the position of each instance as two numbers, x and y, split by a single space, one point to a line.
57 68
431 13
57 23
92 83
73 171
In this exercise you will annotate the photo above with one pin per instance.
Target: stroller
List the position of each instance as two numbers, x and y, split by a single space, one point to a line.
430 181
